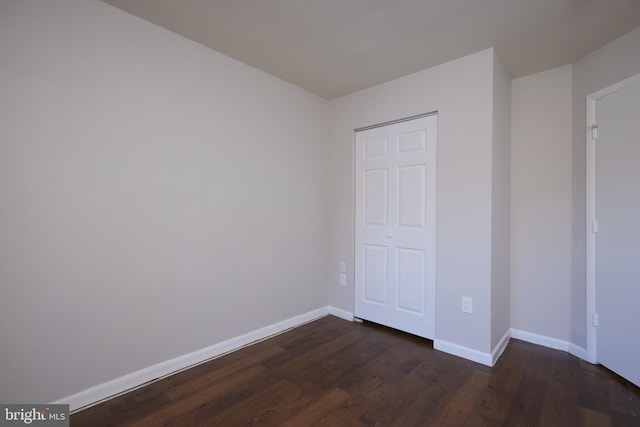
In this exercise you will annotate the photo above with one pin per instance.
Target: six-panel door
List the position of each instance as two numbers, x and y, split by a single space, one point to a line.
395 225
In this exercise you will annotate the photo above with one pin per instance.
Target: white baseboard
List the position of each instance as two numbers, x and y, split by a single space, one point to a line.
117 386
549 342
109 389
474 355
346 315
578 352
499 349
542 340
464 352
491 359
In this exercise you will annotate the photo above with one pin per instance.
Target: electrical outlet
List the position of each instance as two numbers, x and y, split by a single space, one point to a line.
467 305
343 267
343 279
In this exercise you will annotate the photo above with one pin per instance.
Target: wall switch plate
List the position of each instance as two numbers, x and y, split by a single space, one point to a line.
343 279
343 267
467 305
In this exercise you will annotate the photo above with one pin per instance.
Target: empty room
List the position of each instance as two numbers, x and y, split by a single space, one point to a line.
342 212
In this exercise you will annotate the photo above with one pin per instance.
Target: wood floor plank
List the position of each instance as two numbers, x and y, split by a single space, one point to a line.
177 413
492 405
286 407
441 382
319 409
590 418
560 407
380 405
301 367
526 405
460 406
337 373
261 407
348 360
206 380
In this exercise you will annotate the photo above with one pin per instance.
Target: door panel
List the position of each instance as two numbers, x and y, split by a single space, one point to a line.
375 274
395 225
412 141
411 196
618 236
412 267
376 148
376 198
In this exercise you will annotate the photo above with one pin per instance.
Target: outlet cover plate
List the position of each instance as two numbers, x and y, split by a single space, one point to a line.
467 305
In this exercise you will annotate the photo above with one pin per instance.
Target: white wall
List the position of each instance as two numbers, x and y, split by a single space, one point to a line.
501 204
461 92
159 197
541 203
156 197
548 246
610 64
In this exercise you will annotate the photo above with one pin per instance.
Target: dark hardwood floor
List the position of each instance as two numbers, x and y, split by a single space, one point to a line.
336 373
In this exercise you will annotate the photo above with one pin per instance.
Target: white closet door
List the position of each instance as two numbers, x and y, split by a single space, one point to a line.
618 236
395 225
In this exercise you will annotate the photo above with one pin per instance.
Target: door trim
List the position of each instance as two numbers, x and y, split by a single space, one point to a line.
592 100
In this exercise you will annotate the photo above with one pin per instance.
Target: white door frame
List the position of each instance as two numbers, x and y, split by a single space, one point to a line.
592 100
